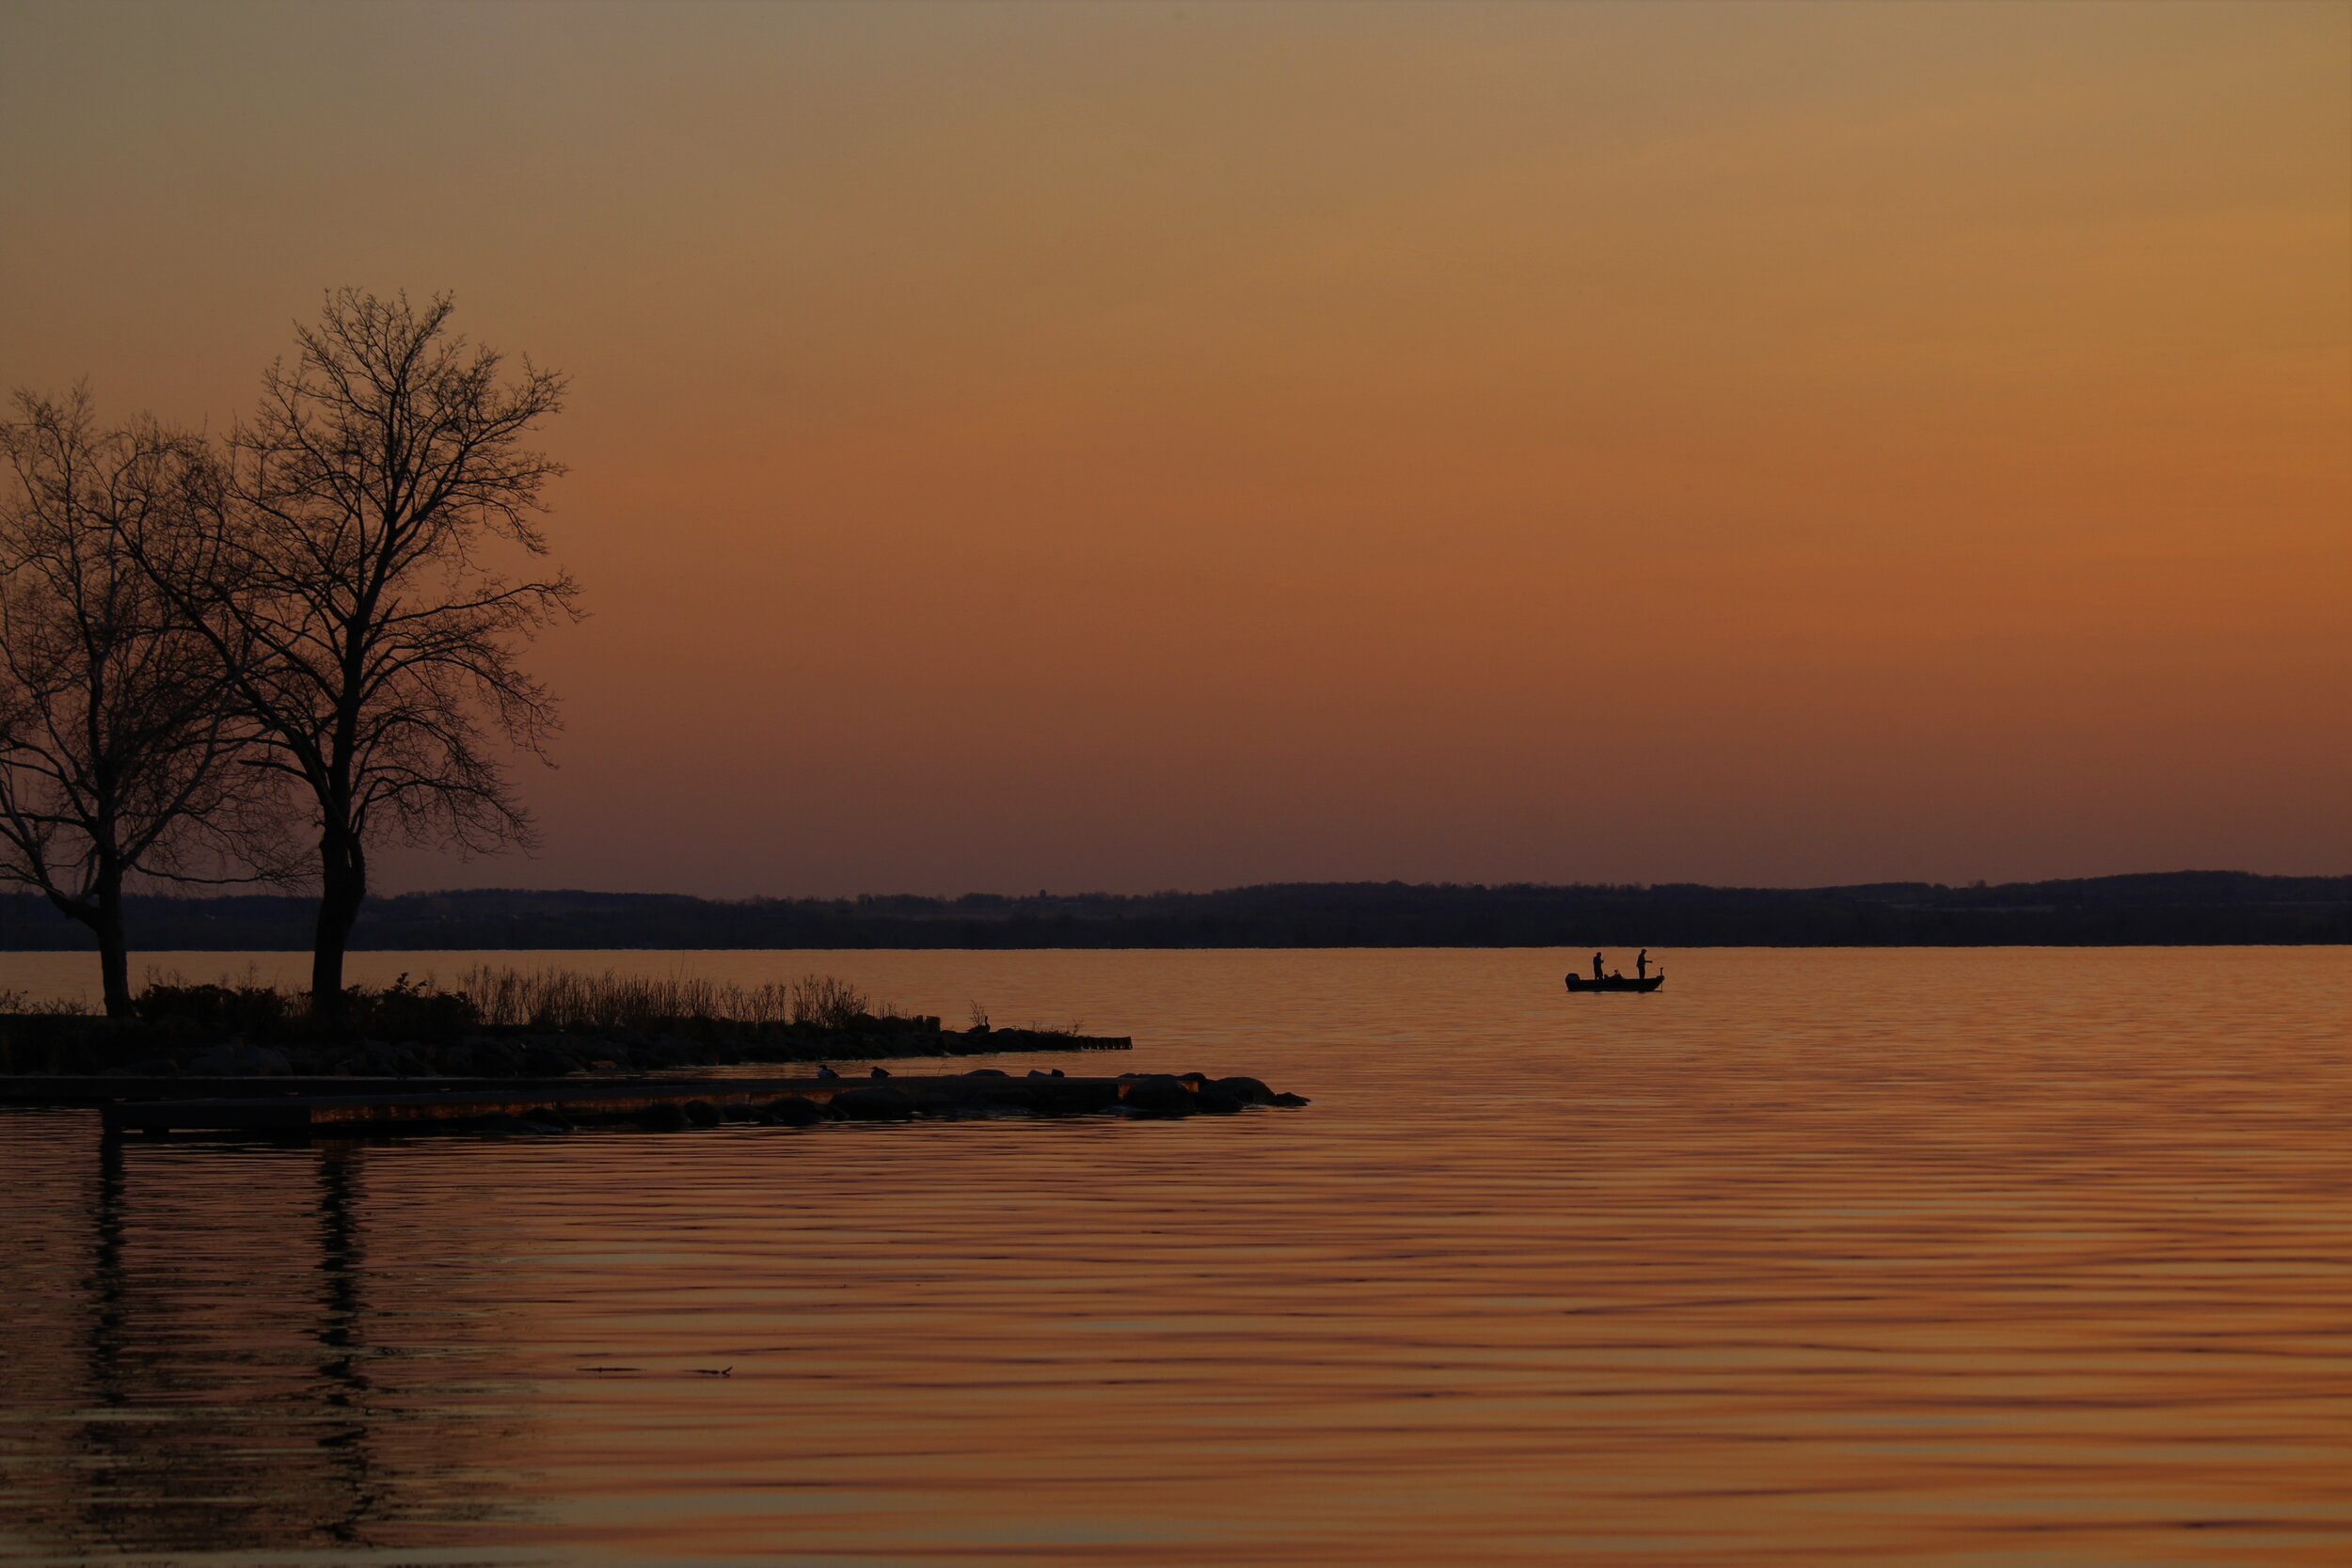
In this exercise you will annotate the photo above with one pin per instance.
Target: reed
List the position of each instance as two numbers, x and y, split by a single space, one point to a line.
568 1000
548 1000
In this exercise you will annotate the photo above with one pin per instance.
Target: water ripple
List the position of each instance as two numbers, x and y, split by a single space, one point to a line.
1892 1258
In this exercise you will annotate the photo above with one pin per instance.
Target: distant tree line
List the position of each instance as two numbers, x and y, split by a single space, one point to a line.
252 657
2154 910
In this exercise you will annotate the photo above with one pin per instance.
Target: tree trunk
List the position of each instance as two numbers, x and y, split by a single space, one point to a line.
114 950
100 909
343 884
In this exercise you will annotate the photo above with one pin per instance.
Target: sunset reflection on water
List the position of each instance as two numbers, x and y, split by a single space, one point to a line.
1906 1257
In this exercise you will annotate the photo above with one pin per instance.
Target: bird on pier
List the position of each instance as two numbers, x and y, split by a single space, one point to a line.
879 1072
824 1071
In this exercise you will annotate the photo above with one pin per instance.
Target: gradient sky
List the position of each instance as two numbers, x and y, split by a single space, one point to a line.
1175 446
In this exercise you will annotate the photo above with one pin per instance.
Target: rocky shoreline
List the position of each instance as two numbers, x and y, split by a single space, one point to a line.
318 1108
32 1044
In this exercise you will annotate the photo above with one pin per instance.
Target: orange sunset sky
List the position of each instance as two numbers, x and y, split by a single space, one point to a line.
1174 446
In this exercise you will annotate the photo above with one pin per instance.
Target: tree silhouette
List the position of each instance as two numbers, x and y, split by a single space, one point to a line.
350 578
114 727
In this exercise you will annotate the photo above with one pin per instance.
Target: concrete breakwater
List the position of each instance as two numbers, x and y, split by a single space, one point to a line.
557 1105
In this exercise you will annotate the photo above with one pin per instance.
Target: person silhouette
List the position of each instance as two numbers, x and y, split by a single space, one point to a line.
1641 965
1596 966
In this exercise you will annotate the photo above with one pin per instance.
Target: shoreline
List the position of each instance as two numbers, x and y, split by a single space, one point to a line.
2182 907
39 1045
156 1108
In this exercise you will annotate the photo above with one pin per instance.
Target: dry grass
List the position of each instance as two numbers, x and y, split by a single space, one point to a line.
564 998
22 1003
551 1000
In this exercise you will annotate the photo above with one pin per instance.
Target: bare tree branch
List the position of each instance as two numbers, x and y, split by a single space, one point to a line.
115 727
346 579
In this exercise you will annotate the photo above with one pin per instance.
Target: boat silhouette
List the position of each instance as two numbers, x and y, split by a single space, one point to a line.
1616 982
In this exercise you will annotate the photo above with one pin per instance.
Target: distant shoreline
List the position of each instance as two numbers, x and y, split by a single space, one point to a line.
2162 909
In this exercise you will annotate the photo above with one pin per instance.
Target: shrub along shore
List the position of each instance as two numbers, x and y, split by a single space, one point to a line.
494 1022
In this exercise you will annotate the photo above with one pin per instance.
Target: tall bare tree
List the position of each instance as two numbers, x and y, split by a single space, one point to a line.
114 729
370 576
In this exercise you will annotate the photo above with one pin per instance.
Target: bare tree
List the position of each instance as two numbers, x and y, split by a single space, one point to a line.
352 578
114 730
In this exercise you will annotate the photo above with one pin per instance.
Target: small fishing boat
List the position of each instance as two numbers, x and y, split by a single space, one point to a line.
1616 982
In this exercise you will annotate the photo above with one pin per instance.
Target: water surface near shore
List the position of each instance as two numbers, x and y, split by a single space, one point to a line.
1915 1256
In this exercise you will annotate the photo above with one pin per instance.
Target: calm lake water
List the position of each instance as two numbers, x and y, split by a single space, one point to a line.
1920 1258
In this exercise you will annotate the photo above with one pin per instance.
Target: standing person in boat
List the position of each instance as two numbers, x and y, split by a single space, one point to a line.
1596 966
1641 966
